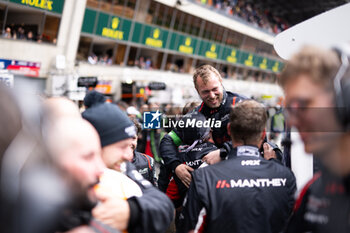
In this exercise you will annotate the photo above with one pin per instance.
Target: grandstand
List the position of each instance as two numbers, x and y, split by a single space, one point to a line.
134 42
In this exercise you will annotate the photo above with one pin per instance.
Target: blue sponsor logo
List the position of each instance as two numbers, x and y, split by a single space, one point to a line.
151 120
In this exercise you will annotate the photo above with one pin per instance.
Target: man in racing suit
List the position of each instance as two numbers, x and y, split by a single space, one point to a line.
216 105
244 193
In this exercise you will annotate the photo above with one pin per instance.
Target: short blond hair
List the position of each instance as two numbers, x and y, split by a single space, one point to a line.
319 64
204 72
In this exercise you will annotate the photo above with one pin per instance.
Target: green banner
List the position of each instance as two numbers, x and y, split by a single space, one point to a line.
231 55
249 59
209 50
118 28
277 66
263 63
183 43
154 36
137 34
89 21
113 27
48 5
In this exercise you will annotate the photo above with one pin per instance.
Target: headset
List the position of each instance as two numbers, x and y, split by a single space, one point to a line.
341 84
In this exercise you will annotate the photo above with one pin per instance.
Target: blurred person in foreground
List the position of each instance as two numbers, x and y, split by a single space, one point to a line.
11 125
245 193
148 211
312 107
75 148
36 195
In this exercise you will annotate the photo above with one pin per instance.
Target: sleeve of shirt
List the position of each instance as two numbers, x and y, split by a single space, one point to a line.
153 211
296 222
168 152
193 215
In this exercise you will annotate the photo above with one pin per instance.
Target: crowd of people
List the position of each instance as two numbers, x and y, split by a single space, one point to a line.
212 170
250 13
19 33
104 59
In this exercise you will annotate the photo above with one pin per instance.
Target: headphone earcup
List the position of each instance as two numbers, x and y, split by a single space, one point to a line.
342 92
346 103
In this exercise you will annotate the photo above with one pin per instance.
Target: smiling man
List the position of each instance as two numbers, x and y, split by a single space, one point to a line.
216 104
150 212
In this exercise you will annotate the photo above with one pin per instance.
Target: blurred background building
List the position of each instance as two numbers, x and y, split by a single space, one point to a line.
144 50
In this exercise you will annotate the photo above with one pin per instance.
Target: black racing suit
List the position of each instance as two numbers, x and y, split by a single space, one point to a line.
323 205
145 166
244 193
168 149
153 211
193 159
222 113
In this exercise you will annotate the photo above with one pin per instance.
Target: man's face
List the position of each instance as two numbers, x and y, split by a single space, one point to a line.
115 154
83 165
134 143
211 92
310 109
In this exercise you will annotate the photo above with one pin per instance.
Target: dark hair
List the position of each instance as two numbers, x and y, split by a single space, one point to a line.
94 97
189 107
137 124
247 122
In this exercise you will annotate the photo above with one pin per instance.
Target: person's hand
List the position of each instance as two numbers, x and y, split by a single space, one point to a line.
183 172
212 157
112 211
269 153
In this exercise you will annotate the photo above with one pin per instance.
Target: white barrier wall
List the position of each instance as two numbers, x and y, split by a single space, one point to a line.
302 163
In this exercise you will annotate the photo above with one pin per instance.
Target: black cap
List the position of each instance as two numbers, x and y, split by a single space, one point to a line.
111 123
94 97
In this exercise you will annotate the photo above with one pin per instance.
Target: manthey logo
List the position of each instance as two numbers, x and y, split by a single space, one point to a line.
251 183
152 120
